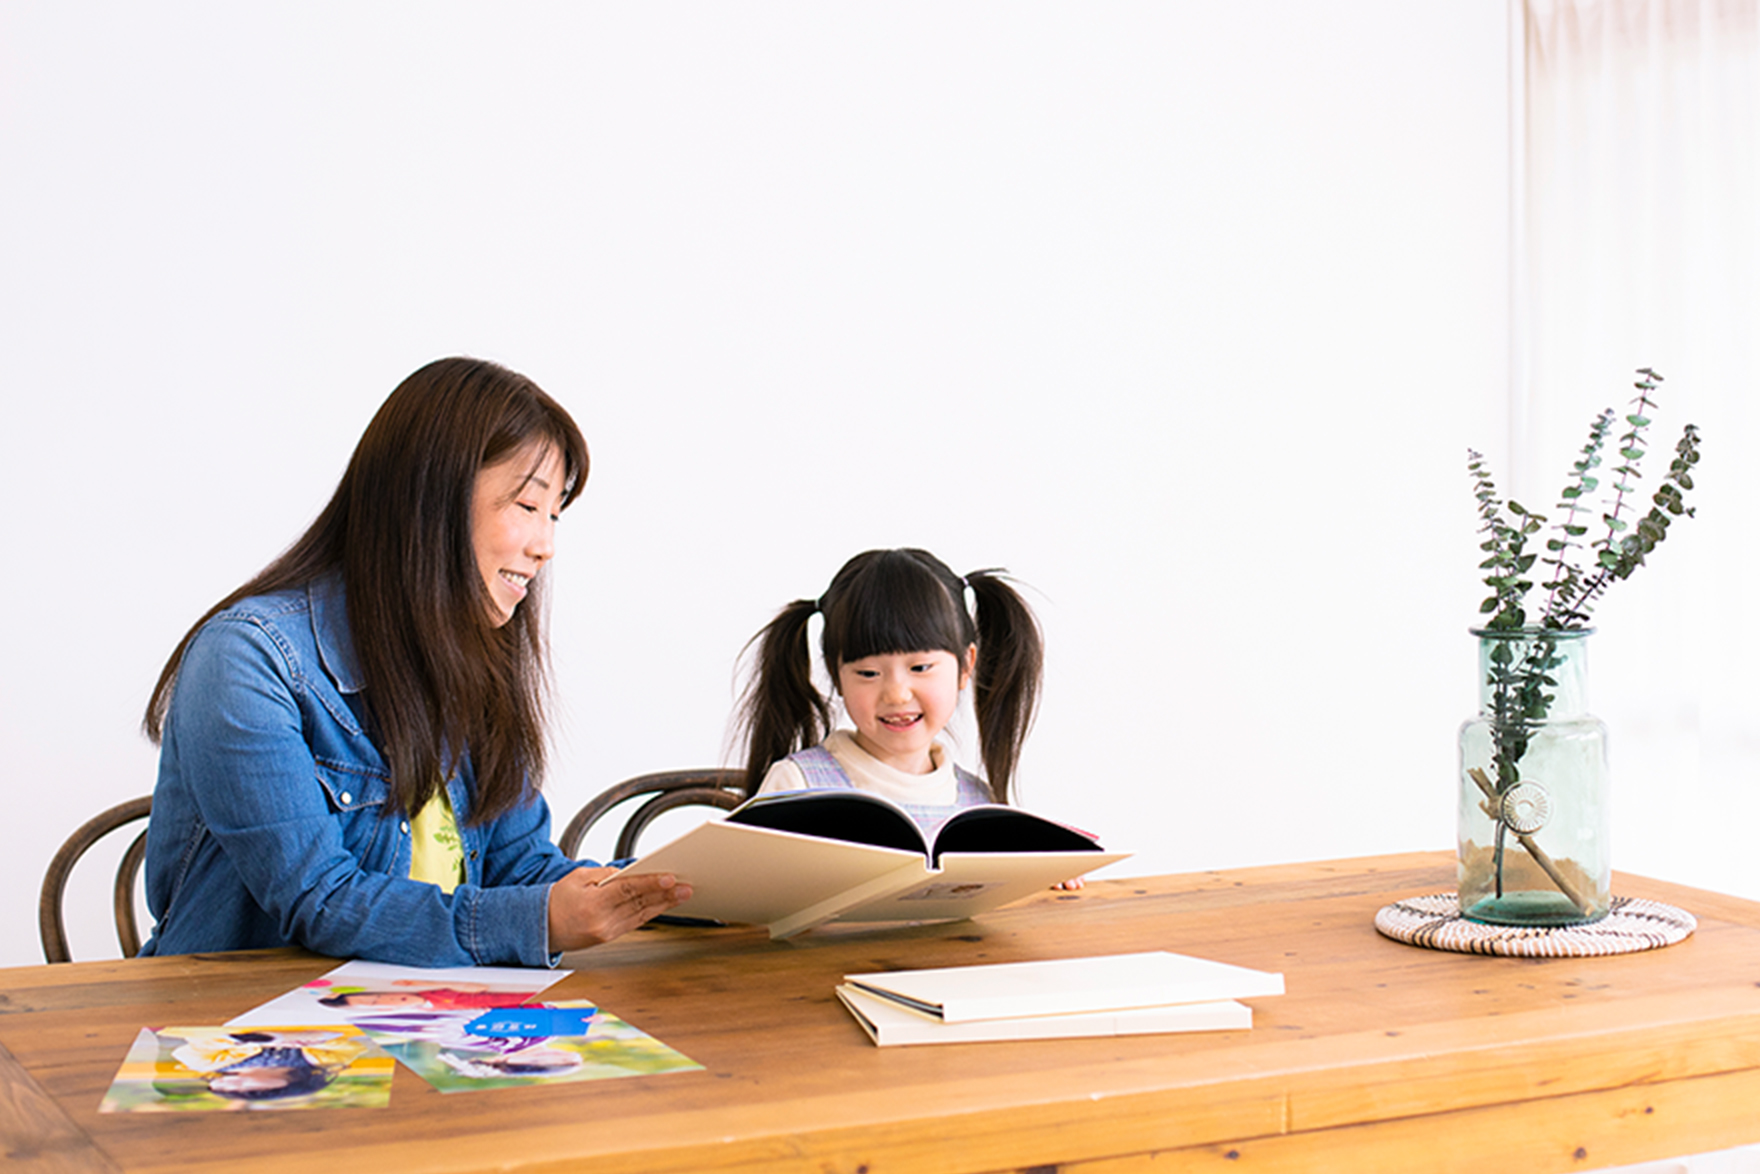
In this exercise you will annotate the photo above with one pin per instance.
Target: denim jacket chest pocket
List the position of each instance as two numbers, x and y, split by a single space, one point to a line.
361 801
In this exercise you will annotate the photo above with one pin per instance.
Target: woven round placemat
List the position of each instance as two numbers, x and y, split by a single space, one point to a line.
1632 924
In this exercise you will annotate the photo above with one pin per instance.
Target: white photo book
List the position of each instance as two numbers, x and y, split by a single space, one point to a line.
1064 986
799 859
888 1023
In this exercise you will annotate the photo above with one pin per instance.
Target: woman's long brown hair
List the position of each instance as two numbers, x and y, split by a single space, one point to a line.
438 677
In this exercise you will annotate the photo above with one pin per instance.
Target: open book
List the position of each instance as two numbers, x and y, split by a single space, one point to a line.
799 859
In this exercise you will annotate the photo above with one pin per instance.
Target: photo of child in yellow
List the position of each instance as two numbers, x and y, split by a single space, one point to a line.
181 1069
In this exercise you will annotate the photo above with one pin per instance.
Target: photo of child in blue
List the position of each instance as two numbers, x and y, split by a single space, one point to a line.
351 743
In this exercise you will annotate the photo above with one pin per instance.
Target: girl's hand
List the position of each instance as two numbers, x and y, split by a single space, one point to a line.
584 912
1068 886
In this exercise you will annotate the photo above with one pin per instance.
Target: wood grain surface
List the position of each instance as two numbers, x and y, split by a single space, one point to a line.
1380 1056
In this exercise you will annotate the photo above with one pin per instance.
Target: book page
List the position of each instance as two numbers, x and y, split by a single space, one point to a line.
995 828
967 884
856 817
757 876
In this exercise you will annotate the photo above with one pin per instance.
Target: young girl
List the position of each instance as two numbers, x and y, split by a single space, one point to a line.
900 643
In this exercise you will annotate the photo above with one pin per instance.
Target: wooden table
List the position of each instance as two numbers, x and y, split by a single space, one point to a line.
1381 1056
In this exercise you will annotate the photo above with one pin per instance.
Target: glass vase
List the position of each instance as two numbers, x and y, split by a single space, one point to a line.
1534 786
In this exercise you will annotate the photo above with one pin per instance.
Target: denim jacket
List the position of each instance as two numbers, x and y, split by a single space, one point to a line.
271 825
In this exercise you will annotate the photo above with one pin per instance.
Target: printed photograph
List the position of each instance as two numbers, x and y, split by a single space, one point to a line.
230 1069
357 989
444 1050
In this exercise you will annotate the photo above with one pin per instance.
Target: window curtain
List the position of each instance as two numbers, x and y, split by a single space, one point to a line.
1636 216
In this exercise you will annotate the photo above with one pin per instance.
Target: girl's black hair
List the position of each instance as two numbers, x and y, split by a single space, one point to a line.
885 601
345 999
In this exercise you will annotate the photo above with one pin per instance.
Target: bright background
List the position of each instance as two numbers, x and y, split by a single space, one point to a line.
1183 312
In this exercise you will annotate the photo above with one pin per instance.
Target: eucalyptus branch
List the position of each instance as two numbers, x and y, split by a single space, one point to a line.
1505 545
1566 583
1631 449
1667 502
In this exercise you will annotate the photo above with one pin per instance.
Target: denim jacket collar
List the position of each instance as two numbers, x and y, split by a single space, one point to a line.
330 627
330 630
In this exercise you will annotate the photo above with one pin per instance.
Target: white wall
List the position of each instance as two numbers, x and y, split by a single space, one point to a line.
1184 312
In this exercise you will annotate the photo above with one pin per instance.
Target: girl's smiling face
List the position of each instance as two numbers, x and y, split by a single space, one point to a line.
514 508
901 701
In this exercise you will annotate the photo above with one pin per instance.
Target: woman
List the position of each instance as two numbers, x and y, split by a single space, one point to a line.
351 742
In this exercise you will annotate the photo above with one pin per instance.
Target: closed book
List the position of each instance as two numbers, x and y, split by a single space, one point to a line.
1066 986
889 1024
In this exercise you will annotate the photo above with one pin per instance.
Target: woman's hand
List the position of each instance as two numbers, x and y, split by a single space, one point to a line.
585 913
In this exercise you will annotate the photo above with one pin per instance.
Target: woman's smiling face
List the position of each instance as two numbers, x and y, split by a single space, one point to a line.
514 509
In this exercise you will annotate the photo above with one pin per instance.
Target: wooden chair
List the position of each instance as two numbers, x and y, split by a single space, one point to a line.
669 789
50 923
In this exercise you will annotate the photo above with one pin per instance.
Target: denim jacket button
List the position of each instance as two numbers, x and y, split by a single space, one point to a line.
347 798
406 827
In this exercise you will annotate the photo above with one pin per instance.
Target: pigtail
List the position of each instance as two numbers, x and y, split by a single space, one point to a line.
782 711
1005 688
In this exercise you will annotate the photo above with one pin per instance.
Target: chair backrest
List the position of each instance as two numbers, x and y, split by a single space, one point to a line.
668 789
50 923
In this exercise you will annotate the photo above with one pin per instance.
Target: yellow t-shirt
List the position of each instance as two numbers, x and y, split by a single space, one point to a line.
436 854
